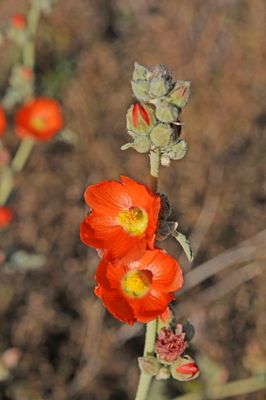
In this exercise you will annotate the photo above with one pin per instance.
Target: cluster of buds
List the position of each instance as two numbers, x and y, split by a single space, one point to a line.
170 359
154 122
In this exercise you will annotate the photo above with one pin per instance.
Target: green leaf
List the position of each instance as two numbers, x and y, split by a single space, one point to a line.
184 243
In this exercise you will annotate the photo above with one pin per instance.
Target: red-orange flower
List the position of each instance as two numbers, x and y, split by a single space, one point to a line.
40 118
3 122
18 21
123 219
6 216
139 290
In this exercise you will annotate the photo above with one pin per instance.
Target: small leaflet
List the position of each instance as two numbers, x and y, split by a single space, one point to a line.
184 243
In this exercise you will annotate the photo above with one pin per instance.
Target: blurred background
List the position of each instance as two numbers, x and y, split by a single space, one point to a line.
57 342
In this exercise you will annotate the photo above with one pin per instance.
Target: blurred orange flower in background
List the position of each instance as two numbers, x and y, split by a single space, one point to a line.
6 216
3 122
40 118
18 21
123 220
140 290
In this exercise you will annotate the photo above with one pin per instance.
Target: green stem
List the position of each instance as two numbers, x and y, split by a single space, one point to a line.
155 159
151 328
22 154
28 49
25 147
145 379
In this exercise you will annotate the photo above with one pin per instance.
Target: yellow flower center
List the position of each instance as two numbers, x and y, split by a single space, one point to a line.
133 221
38 123
136 283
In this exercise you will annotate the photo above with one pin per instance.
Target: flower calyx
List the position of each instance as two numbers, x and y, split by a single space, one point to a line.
149 365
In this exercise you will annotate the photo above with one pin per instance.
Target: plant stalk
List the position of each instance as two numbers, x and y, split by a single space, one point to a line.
151 327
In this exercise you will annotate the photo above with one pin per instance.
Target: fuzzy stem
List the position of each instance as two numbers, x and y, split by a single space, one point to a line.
145 379
22 154
155 159
151 328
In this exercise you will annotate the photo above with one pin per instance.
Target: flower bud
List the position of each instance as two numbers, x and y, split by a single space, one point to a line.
18 21
178 150
140 119
165 160
6 216
140 72
166 112
169 346
159 87
163 373
149 365
180 94
3 122
161 135
166 208
142 144
140 89
184 369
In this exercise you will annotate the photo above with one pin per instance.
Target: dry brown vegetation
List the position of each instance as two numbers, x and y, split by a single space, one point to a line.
70 348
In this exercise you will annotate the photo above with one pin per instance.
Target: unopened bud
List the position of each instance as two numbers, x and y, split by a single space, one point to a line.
161 135
149 365
166 112
140 119
178 150
140 89
159 87
165 160
166 208
142 144
140 72
18 21
163 373
180 94
184 369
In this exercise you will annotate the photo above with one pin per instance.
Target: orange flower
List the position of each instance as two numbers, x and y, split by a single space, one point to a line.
40 118
3 122
124 218
18 21
140 290
6 216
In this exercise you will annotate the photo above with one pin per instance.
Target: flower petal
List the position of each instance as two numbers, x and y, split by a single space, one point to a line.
108 197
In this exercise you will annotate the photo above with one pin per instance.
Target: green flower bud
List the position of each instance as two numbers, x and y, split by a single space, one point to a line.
159 86
163 374
178 150
166 112
140 120
161 135
140 72
140 89
142 144
180 94
165 160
